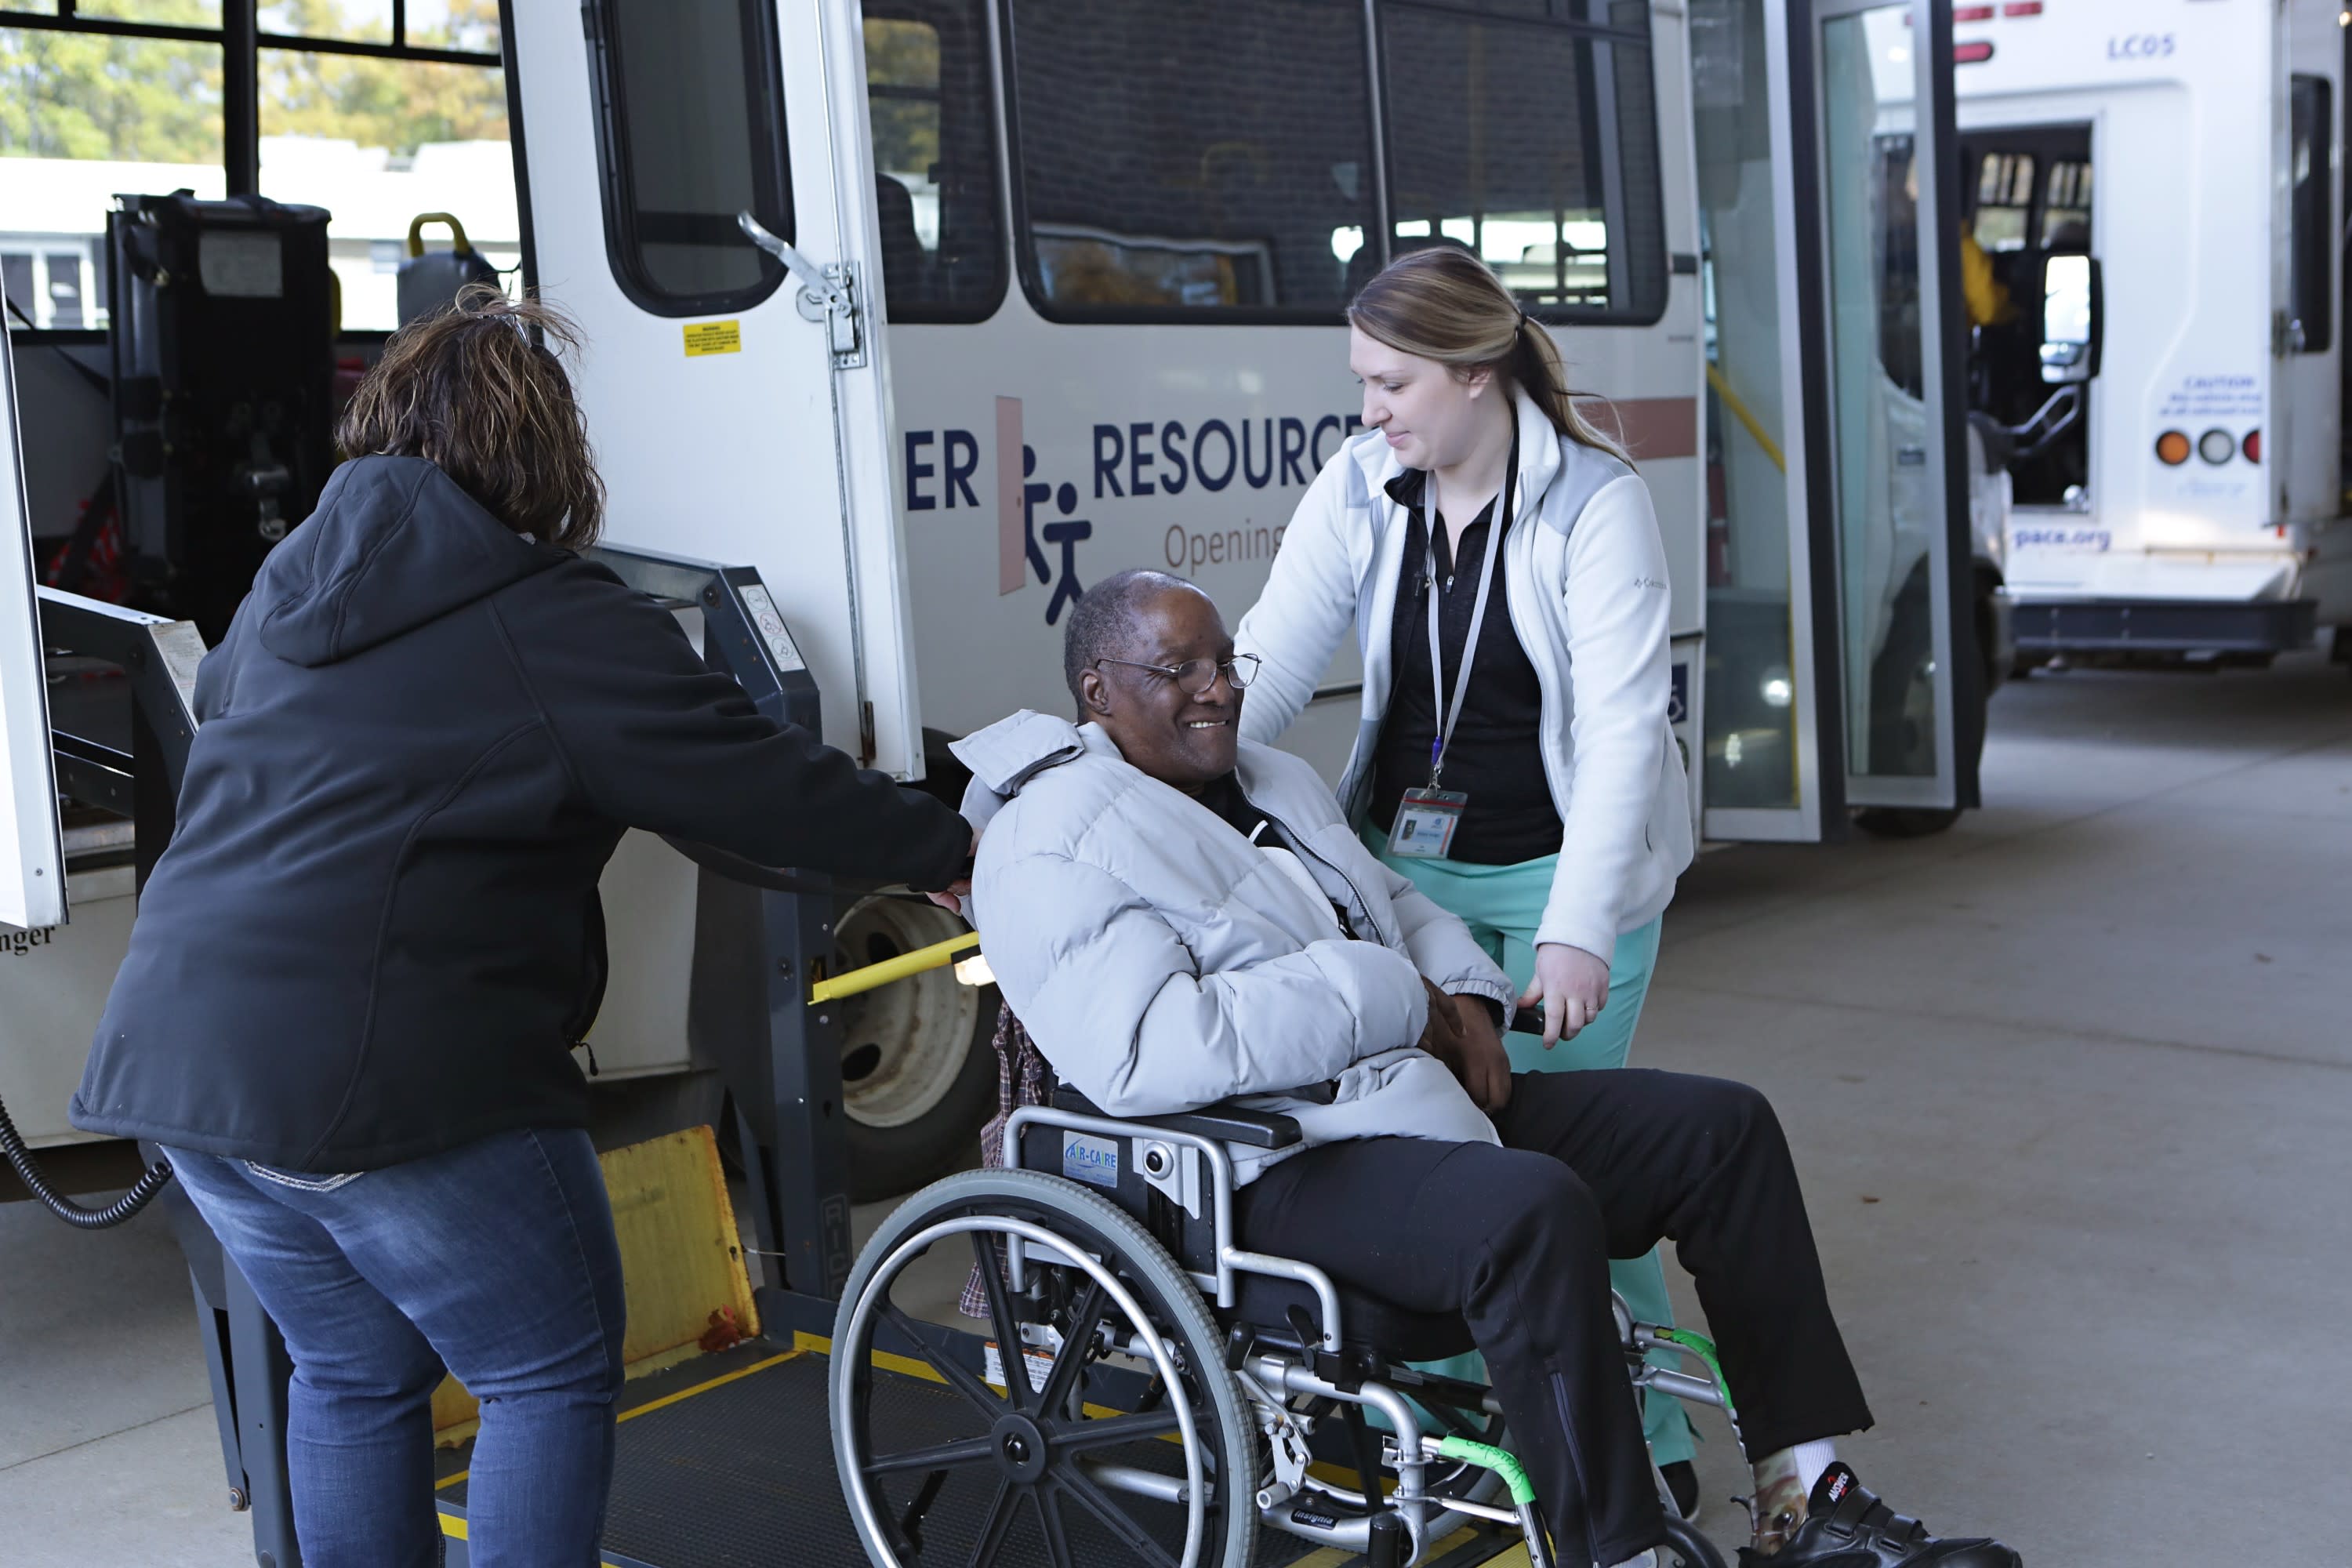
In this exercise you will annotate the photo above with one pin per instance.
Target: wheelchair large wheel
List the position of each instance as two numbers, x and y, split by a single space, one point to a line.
1037 1470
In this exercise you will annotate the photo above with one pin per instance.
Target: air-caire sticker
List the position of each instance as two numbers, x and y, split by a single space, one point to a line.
1094 1161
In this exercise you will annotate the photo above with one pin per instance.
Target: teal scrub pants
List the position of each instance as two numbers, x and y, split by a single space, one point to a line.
1502 905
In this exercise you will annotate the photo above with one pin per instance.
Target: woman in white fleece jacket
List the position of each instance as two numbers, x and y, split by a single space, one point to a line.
1548 781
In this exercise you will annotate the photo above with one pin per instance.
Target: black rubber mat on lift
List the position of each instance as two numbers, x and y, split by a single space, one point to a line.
743 1474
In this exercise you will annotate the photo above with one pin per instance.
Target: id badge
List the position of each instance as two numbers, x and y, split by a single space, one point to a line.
1425 821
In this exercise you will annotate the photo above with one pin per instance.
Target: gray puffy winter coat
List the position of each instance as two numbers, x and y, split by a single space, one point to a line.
1162 962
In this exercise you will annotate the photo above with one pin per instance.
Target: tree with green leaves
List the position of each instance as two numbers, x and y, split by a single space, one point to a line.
396 104
87 95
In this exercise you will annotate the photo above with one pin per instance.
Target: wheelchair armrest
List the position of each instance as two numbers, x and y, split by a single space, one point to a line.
1224 1121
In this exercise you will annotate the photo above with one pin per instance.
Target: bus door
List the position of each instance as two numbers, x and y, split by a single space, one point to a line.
1885 380
1771 758
1835 521
737 397
2025 195
32 851
2307 484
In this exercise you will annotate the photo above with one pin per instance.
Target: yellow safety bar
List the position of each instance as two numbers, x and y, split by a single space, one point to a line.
1740 411
938 954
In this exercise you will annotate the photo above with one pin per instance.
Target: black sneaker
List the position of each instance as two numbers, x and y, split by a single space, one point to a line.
1847 1527
1682 1485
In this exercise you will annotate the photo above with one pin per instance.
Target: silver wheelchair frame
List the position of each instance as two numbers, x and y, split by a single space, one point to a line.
1195 1172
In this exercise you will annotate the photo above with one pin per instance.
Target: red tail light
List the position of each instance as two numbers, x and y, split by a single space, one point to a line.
2251 446
1972 14
2022 9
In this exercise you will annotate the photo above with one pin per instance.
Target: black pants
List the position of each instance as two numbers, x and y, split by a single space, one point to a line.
1594 1165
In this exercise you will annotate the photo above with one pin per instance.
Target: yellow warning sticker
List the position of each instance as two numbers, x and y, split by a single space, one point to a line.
713 338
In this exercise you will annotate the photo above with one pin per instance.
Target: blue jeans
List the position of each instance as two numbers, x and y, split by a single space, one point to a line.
496 1260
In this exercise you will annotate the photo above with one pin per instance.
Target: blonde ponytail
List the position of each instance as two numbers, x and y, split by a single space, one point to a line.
1443 303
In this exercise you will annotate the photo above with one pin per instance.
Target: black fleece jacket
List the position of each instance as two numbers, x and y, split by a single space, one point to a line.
375 933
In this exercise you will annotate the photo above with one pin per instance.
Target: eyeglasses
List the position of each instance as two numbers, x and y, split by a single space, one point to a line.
1195 676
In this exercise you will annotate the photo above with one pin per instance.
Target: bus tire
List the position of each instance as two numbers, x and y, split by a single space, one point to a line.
1920 821
918 1077
1905 821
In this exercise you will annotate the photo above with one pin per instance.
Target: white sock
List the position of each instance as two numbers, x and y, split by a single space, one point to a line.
1648 1560
1814 1459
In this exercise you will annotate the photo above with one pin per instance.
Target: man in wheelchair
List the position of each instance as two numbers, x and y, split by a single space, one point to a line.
1179 918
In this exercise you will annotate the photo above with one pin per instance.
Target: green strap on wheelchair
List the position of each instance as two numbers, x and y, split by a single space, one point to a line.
1702 1347
1499 1460
1505 1464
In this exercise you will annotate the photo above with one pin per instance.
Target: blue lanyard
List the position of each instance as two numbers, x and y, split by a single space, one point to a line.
1448 717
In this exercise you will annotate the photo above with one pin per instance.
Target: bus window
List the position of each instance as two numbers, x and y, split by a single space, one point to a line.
934 158
16 282
1894 188
693 133
2004 200
2066 207
1534 141
2309 244
1194 161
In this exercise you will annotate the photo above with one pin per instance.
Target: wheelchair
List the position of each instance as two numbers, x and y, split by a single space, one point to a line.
1177 1397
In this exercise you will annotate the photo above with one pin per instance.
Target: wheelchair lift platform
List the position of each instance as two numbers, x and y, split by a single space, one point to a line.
727 1462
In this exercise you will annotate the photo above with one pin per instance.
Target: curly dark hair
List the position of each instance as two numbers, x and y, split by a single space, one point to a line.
475 391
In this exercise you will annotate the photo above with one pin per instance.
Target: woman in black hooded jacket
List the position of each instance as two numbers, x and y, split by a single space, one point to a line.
357 973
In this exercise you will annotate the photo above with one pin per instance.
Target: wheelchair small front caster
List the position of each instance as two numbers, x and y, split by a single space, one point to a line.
1390 1544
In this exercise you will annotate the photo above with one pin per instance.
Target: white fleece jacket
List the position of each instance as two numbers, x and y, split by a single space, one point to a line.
1588 597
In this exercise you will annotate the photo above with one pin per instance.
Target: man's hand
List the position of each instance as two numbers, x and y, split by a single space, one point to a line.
1441 1036
1461 1034
1572 985
1486 1066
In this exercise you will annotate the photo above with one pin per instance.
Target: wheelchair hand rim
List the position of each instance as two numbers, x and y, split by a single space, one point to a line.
891 1266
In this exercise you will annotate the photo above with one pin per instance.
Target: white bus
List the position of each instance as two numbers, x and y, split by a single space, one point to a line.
2191 504
1079 272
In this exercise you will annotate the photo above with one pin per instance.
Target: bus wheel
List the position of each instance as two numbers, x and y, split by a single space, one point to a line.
1905 821
1919 821
918 1077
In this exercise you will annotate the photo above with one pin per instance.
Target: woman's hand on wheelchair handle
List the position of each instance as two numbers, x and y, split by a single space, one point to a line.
1571 985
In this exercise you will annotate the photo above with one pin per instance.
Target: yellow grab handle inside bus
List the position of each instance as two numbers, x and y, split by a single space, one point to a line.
1747 417
458 231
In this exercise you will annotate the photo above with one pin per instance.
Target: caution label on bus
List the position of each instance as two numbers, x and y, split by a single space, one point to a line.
713 338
